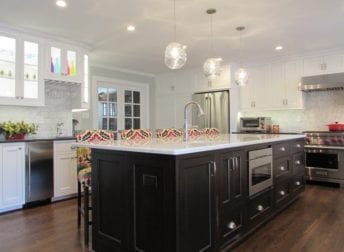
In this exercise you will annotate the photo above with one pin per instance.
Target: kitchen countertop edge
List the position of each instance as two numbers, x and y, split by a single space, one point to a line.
39 139
226 141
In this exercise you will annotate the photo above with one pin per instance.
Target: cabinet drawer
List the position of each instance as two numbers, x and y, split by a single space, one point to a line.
63 147
232 223
259 207
282 168
297 146
297 183
280 150
282 191
298 163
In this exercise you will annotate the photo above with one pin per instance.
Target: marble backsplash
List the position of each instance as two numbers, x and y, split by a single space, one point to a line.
59 101
320 109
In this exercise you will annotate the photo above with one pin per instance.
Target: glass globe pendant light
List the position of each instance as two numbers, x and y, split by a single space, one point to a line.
175 53
212 66
241 75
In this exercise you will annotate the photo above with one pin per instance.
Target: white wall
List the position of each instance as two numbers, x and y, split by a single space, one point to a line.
174 90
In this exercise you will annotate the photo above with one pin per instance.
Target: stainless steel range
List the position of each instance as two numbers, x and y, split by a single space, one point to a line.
325 156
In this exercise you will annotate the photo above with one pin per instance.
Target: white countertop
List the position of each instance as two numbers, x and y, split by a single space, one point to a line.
176 146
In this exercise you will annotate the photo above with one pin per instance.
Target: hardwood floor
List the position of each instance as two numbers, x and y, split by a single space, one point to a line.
315 222
46 228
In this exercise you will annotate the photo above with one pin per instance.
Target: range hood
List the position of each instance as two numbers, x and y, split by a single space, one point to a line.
323 82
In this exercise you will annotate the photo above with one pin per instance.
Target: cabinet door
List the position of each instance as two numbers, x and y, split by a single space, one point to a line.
12 175
65 169
232 175
277 86
110 201
293 73
196 203
154 214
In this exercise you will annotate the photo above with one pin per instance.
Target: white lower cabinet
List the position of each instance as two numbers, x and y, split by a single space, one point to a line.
12 176
65 169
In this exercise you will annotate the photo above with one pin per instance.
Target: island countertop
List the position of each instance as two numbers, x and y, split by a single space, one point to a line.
176 146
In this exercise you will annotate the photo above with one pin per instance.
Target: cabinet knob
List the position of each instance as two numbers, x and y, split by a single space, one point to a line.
282 148
19 148
231 225
282 168
298 145
260 208
297 162
282 193
297 183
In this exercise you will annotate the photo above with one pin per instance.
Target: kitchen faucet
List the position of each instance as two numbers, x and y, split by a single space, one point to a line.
200 113
59 127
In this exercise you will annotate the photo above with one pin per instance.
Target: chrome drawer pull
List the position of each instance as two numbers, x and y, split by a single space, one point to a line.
231 225
282 193
260 208
297 183
282 168
298 162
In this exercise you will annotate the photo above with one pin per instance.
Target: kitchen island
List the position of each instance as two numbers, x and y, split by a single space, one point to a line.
170 195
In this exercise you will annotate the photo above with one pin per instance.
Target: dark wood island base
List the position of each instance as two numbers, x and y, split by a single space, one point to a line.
189 202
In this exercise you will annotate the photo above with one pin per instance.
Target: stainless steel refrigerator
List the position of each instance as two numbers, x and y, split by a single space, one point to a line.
216 108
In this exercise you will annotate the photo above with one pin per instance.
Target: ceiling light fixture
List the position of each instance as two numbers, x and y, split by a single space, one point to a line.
212 66
131 28
241 75
279 48
61 3
175 54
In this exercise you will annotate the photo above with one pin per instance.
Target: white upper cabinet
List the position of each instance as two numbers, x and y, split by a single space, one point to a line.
323 64
64 63
21 80
253 93
273 86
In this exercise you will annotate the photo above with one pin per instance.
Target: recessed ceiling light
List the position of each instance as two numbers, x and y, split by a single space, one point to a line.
278 48
61 3
131 28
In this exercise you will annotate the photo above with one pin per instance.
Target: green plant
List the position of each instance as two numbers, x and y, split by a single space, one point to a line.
11 128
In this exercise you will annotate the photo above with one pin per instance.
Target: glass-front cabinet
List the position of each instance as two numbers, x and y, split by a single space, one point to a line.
64 63
21 80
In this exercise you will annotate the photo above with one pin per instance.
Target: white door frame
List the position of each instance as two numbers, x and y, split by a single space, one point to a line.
121 85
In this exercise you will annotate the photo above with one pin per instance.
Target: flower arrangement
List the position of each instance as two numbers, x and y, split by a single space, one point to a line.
17 130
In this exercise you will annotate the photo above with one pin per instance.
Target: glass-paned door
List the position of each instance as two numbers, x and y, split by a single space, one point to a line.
132 108
71 63
107 108
121 106
30 70
7 66
55 60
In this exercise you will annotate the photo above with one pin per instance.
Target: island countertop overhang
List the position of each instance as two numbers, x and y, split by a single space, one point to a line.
176 146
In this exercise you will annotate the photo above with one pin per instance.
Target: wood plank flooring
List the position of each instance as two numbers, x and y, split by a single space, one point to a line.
315 222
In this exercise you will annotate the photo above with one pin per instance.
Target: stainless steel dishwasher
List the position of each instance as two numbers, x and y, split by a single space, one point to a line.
39 173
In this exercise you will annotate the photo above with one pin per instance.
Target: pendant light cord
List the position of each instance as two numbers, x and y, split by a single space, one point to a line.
175 22
211 34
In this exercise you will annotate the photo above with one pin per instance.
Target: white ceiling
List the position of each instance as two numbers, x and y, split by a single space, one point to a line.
301 26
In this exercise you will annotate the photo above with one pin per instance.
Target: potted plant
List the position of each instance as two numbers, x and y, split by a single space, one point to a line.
17 130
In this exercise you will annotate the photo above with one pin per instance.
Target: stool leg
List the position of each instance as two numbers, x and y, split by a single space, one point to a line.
79 204
86 214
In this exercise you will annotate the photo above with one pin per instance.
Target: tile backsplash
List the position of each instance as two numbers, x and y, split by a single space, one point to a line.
59 101
320 109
